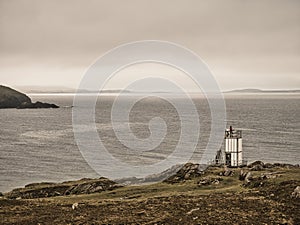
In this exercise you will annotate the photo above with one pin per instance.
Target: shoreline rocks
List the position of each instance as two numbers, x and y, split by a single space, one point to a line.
45 190
37 105
10 98
187 172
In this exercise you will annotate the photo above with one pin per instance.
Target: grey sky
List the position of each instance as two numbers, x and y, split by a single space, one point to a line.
245 43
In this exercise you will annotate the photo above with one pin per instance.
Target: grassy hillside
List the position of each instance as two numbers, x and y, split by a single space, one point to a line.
215 196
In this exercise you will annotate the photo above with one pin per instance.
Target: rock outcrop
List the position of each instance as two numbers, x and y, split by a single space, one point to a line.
209 180
256 166
245 176
259 165
150 178
44 190
187 172
10 98
37 105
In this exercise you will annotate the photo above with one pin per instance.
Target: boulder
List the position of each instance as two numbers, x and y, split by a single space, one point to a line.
256 166
269 165
248 177
245 176
227 173
204 182
209 180
187 172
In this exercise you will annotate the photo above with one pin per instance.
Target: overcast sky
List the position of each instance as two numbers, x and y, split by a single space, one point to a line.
245 43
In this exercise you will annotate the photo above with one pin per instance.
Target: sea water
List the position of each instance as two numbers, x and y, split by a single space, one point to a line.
38 144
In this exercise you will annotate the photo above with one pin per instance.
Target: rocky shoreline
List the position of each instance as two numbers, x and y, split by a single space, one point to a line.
10 98
46 190
255 194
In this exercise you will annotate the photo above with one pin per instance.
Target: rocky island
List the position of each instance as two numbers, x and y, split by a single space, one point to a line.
10 98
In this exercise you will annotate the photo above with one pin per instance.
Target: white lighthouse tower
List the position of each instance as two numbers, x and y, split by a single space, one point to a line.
233 148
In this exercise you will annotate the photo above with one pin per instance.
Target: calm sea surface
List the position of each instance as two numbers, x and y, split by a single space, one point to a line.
38 144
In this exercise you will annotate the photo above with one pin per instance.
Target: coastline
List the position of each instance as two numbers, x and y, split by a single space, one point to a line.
265 196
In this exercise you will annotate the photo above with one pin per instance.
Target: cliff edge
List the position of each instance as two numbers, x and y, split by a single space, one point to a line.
10 98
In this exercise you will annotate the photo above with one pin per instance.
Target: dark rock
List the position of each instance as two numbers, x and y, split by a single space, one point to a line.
10 98
1 194
256 163
245 176
187 172
91 187
37 105
203 182
242 175
38 192
33 185
209 180
257 168
44 190
270 175
227 173
269 165
284 165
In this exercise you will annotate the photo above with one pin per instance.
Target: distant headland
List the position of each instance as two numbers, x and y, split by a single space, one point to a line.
68 90
10 98
257 91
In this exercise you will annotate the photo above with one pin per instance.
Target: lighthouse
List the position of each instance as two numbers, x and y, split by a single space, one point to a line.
233 148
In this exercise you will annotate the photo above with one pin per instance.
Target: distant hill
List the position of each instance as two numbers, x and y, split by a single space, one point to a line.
66 90
45 89
62 90
252 90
